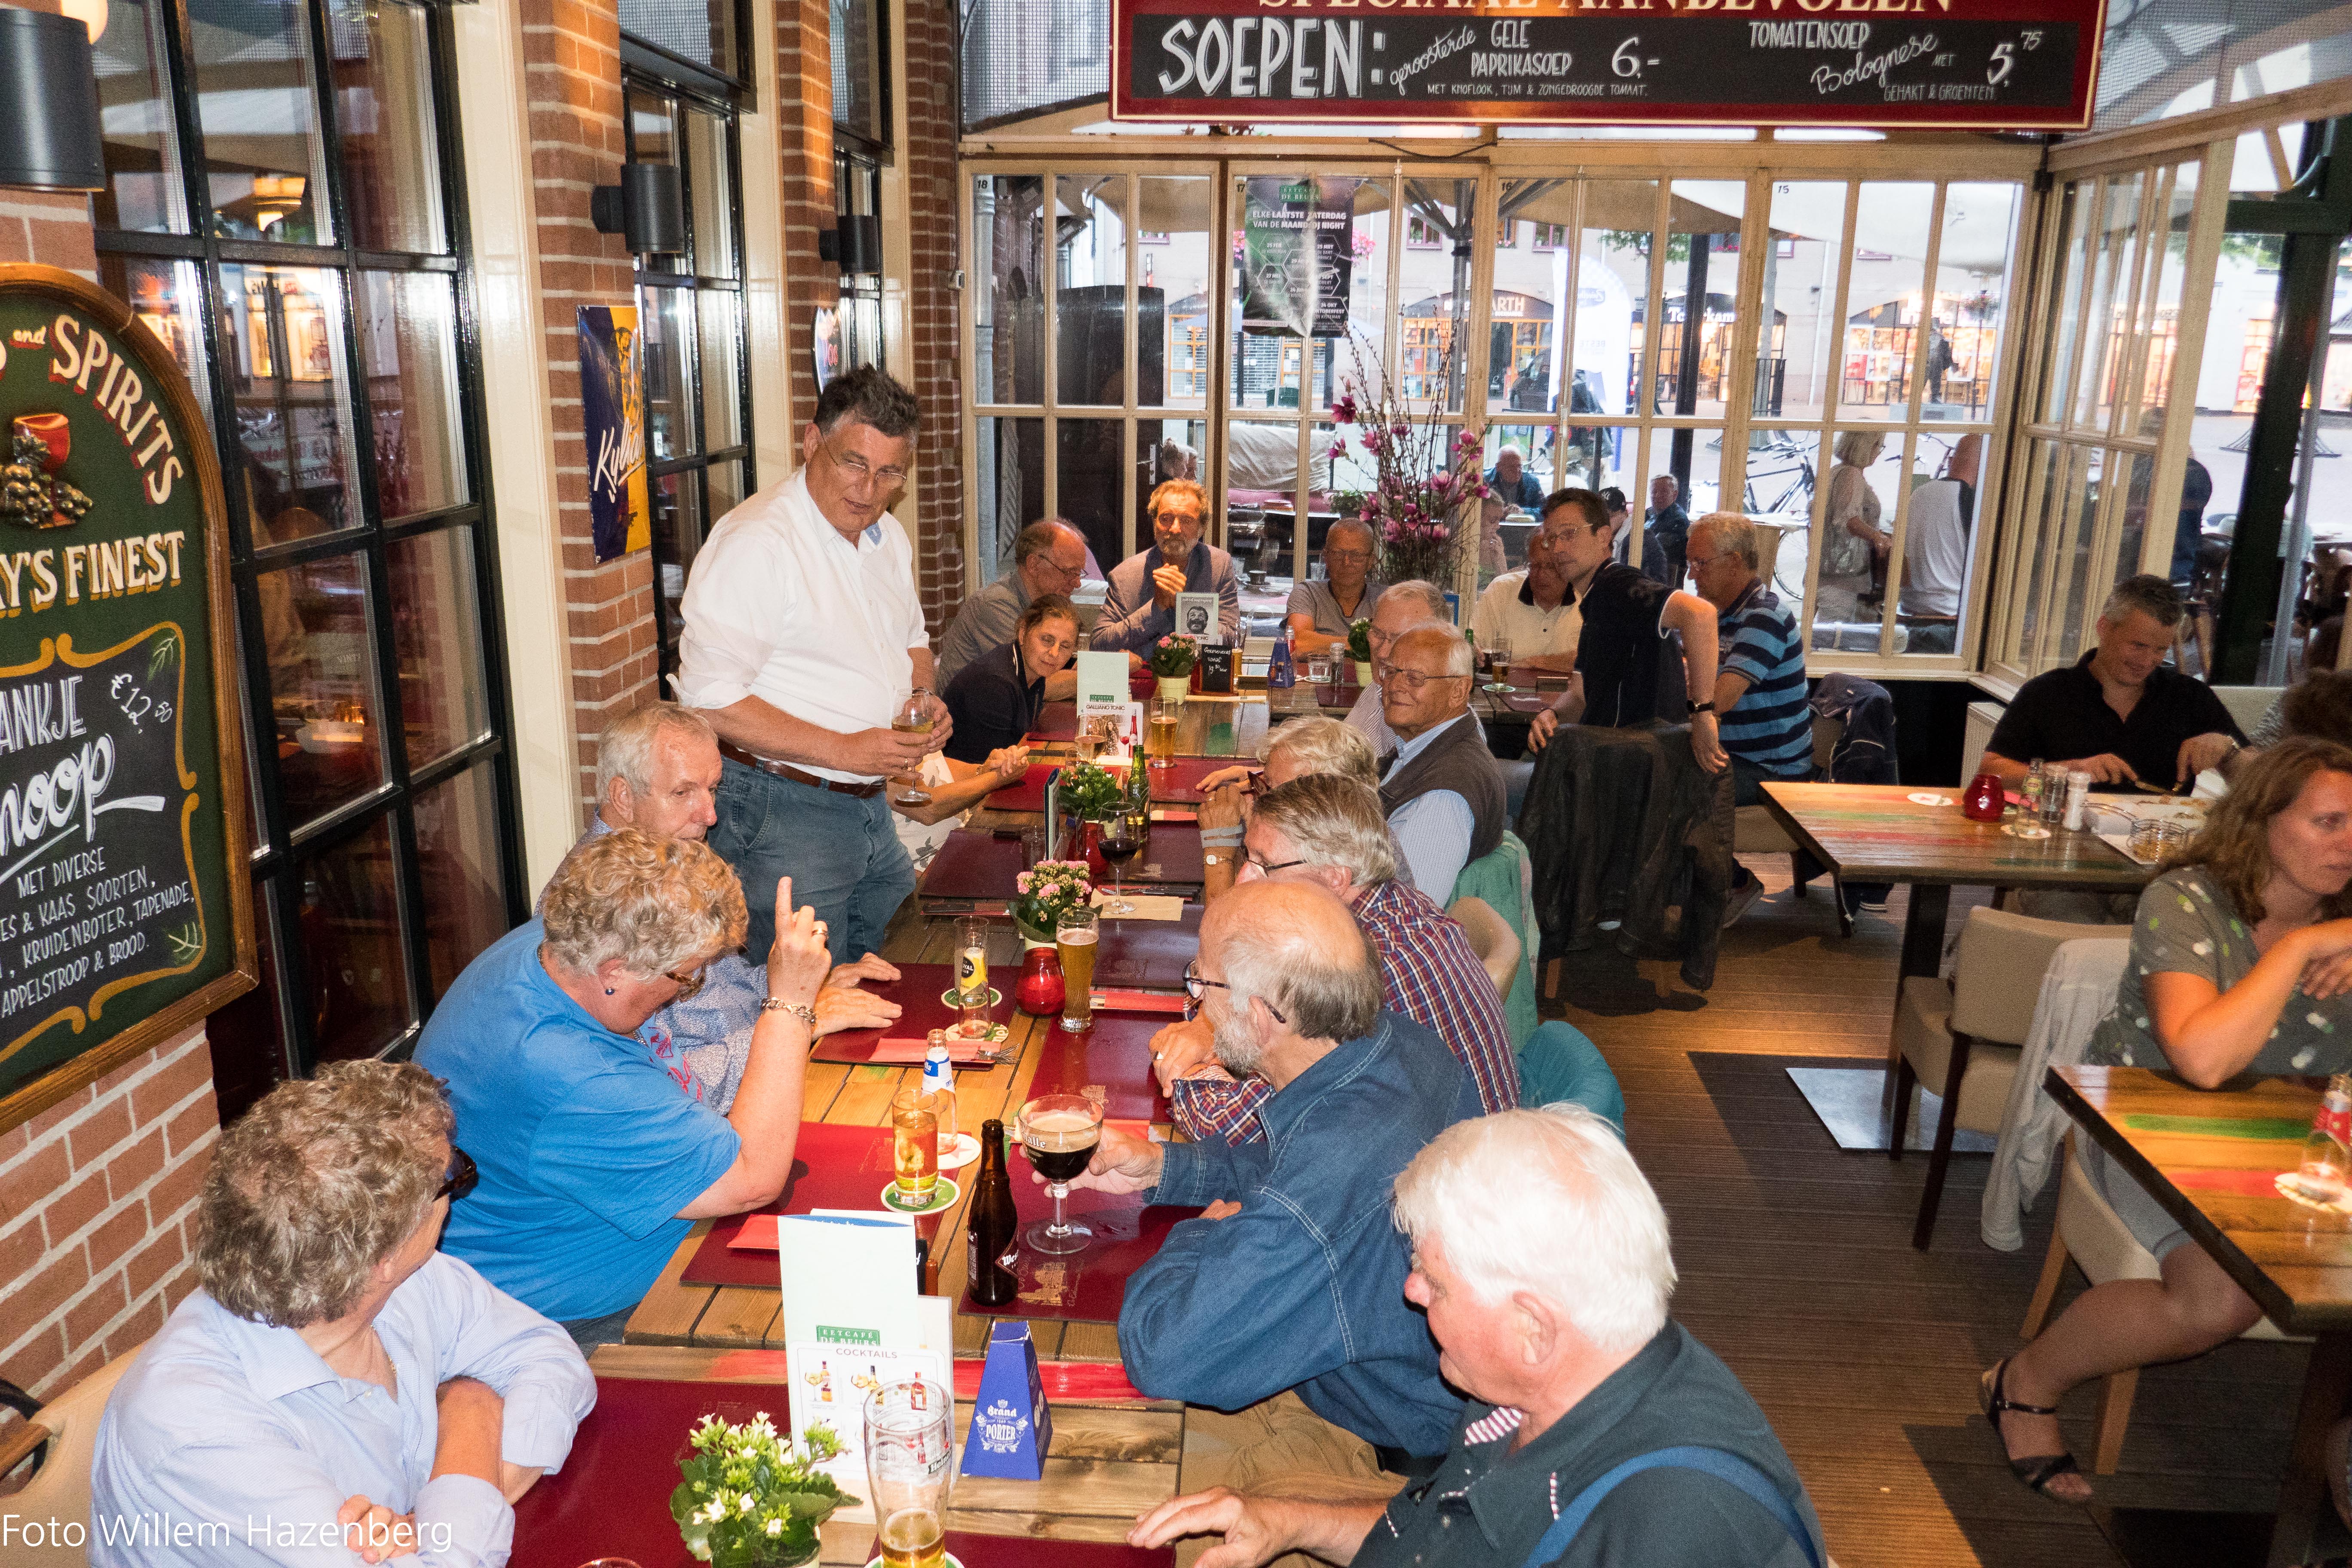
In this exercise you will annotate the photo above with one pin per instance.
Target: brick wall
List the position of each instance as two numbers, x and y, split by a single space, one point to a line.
932 304
572 74
804 148
96 1215
47 226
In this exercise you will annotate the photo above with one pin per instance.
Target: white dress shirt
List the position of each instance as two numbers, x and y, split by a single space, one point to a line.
1506 610
781 607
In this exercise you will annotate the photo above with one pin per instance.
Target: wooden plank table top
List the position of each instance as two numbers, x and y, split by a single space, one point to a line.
1108 1461
2209 1157
1876 833
1207 726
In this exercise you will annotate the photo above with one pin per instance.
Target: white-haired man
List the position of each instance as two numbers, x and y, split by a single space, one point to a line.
1327 829
657 770
1293 1280
1442 788
1400 607
1598 1430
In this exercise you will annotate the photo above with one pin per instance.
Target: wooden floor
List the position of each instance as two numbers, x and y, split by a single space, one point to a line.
1797 1266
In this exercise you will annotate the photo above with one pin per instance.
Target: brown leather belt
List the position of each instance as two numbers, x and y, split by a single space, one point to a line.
786 771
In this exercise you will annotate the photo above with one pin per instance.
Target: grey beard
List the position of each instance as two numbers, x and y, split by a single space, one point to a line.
1240 1054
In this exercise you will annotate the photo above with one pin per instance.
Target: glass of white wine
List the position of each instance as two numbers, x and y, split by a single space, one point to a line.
913 718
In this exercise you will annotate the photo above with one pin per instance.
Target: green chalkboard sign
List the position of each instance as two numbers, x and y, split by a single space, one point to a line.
125 907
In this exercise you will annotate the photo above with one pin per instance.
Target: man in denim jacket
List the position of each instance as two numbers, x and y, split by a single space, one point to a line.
1293 1278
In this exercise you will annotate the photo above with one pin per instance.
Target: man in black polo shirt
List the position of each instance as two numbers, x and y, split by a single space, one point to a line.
1541 1256
2117 713
1626 618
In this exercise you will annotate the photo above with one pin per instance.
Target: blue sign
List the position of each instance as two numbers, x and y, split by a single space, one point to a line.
1011 1426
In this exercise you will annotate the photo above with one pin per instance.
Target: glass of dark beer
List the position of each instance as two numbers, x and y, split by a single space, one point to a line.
1059 1132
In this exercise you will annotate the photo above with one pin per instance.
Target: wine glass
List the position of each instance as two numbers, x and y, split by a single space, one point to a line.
913 718
1059 1132
1498 664
1123 839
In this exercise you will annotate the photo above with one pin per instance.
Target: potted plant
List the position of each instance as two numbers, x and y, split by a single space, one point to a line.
1172 660
1359 649
751 1498
1041 895
1427 474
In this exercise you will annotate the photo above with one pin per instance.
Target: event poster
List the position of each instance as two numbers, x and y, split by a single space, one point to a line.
612 402
1298 237
125 905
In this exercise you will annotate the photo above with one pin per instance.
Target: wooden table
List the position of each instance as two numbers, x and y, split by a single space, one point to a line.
2295 1262
1208 726
1878 833
1110 1461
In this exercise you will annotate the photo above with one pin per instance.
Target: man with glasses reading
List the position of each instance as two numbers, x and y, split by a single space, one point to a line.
803 635
1049 557
1289 1288
1139 604
1327 830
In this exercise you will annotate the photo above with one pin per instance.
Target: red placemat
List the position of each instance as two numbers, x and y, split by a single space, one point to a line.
917 991
834 1167
1148 955
1115 1053
611 1499
1030 1552
1175 849
1086 1286
1177 780
974 864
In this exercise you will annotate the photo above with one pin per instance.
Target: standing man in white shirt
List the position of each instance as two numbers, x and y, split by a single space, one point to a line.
803 635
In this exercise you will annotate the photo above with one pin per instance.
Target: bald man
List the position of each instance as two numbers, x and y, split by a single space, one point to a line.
1293 1277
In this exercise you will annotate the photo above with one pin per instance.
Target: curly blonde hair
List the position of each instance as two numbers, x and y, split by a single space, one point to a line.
318 1183
655 904
2234 848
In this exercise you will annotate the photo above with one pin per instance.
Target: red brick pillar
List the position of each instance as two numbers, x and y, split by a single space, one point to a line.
572 71
932 304
804 145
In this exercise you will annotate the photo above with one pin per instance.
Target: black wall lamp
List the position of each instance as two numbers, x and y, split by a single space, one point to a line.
854 244
647 208
49 137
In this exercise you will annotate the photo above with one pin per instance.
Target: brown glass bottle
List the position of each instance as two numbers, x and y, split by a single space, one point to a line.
992 1228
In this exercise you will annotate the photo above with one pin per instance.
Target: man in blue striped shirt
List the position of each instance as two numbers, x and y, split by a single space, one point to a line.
1759 683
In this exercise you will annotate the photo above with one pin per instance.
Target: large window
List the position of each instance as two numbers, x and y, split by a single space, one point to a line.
690 320
283 208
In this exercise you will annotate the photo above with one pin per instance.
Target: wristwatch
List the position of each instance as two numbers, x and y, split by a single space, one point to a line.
801 1010
1706 707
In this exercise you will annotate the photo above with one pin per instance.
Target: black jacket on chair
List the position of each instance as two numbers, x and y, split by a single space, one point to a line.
1620 825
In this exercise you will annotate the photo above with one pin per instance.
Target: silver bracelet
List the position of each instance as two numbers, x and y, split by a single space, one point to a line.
801 1010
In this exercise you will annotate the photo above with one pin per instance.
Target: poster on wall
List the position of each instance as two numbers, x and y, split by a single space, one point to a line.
612 401
2023 65
125 907
1298 238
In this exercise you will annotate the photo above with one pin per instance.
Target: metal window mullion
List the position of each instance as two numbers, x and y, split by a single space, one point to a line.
2030 365
1049 371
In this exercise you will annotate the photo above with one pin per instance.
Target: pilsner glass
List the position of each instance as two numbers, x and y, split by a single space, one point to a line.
1059 1134
913 718
908 1457
1498 663
1075 938
915 1145
1159 744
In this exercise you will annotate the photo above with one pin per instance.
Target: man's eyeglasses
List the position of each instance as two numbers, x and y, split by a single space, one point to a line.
1262 868
687 984
1348 557
1194 983
1414 679
461 1177
861 475
1700 562
1177 520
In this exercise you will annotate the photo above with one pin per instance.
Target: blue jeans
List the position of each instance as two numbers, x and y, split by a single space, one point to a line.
842 854
590 1332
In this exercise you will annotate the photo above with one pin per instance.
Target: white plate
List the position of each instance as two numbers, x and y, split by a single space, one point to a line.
958 1151
1922 797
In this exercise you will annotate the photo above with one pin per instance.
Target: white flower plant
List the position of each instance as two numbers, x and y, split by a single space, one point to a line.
751 1499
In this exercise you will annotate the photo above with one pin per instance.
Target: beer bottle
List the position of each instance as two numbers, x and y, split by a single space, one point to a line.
992 1229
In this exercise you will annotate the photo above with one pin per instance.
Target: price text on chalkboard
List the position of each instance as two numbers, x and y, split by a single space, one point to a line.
125 907
1979 64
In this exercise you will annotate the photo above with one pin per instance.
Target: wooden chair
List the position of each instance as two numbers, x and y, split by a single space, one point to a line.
67 1426
1755 831
1492 939
1963 1034
2090 1233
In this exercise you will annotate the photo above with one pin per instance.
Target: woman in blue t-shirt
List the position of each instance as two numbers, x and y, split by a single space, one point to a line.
2240 961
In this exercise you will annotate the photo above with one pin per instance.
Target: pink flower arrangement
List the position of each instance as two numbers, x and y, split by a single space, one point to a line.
1046 891
1428 473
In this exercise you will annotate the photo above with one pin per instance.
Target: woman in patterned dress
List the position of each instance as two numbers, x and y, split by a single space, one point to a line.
2240 962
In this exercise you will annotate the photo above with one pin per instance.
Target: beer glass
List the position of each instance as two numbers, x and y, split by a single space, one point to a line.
908 1457
1059 1132
915 1145
971 975
1159 744
1498 663
1075 939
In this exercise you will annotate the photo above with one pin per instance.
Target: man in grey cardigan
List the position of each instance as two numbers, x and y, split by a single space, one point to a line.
1139 607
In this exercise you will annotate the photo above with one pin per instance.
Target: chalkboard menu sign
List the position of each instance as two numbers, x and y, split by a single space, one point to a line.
2024 65
125 909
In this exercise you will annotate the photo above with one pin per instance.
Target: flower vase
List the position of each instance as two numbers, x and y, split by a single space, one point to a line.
1173 688
1364 673
1040 989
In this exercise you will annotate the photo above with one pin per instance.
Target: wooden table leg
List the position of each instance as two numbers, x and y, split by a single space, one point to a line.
2303 1490
1923 953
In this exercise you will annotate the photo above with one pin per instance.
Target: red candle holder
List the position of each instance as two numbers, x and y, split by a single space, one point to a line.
1040 990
